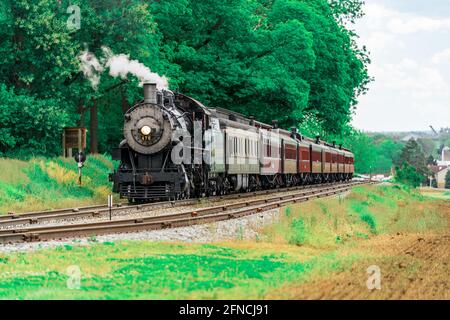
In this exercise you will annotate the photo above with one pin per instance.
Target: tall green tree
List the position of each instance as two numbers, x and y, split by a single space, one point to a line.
339 74
125 27
36 58
291 60
37 54
40 58
29 126
413 155
280 59
412 169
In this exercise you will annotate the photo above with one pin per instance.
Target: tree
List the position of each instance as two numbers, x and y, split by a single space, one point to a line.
347 10
125 27
413 169
413 155
40 57
287 59
390 149
30 126
284 59
372 154
408 175
447 180
431 161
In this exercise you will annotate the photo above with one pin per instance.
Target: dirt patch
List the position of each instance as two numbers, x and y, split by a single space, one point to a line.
412 267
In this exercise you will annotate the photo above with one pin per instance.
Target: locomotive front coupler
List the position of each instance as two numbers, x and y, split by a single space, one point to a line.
146 179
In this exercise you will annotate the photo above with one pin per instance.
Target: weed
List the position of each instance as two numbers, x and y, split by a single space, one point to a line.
92 239
288 211
370 220
298 232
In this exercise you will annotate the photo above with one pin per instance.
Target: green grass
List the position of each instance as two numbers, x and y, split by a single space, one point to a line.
367 211
442 195
145 270
41 184
313 238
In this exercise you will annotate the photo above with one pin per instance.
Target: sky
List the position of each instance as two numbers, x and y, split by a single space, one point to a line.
409 44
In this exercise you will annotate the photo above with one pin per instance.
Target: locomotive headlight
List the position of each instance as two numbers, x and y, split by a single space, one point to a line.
146 130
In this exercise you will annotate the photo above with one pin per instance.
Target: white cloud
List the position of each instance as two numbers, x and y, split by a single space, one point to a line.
411 69
379 41
441 57
380 17
412 79
413 24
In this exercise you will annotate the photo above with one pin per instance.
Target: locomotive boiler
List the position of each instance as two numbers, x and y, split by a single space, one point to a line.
174 147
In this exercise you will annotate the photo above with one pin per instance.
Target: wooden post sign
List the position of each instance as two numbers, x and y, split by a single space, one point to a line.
73 138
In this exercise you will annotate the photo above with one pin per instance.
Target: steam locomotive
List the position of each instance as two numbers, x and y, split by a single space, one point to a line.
177 148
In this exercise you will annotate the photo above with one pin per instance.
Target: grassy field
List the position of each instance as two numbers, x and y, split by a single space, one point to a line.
436 194
309 243
41 184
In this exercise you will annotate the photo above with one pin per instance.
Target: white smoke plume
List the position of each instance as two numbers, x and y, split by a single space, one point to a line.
119 66
91 68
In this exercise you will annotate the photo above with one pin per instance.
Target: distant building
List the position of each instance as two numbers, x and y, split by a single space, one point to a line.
446 154
440 170
440 177
445 158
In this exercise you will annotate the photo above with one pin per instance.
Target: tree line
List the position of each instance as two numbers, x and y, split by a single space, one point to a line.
292 60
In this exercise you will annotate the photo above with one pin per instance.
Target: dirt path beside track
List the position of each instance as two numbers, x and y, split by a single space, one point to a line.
412 267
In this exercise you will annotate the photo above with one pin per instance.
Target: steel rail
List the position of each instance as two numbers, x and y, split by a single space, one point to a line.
99 210
200 211
196 216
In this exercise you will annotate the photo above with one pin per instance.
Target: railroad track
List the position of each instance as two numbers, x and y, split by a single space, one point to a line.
98 211
186 218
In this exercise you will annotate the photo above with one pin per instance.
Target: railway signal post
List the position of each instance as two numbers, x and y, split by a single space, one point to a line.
80 159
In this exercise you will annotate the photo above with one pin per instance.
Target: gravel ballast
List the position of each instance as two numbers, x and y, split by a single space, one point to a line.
246 228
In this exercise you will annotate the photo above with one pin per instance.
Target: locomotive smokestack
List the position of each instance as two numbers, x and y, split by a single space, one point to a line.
150 93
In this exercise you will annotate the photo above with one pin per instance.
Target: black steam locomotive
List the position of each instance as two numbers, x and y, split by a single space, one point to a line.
176 148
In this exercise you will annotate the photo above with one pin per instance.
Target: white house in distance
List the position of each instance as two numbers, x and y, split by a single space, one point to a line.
442 168
445 160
